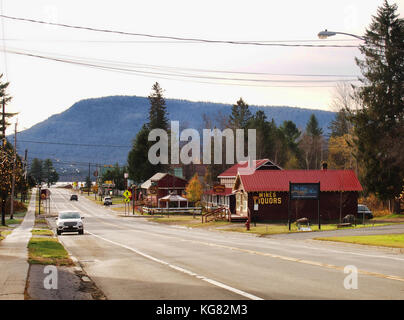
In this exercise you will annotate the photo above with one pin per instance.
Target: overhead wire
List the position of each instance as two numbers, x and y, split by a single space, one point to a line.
233 42
173 75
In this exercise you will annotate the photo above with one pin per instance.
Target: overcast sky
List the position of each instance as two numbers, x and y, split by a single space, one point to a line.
41 87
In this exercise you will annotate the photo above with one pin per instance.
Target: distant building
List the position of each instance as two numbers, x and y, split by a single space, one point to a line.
161 185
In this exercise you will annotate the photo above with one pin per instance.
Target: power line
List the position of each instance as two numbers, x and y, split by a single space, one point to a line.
171 68
256 43
189 77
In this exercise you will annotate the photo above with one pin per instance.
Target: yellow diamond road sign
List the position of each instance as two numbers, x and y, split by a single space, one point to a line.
127 194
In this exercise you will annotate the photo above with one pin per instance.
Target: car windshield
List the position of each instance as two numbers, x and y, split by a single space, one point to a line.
362 208
69 215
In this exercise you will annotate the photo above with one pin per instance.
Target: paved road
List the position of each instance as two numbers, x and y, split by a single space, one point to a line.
130 258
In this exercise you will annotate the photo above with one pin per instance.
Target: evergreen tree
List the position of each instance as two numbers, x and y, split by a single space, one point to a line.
139 167
291 134
340 125
240 115
264 139
50 176
4 98
158 110
36 171
378 125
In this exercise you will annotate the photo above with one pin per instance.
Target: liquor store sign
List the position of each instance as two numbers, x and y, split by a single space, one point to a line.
267 198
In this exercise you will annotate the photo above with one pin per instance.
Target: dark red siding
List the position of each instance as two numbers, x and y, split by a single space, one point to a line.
329 207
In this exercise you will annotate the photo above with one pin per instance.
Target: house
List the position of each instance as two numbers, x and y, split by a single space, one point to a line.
223 195
161 185
265 194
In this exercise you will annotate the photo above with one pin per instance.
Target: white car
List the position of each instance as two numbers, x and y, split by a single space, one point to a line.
69 221
107 201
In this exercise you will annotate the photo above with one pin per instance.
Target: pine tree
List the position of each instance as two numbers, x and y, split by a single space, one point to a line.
340 125
50 176
139 167
378 125
240 115
158 110
36 171
4 99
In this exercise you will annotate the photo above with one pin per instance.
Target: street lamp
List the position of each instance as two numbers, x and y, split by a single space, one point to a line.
325 34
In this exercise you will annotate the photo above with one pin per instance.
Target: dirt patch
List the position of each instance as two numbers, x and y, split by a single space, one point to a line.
69 285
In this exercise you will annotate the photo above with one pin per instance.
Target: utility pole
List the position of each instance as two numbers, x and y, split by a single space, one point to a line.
14 165
89 178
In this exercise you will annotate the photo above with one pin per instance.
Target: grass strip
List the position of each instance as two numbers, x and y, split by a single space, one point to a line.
48 251
42 232
387 240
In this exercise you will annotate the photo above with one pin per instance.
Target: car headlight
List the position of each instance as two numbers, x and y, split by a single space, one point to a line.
79 223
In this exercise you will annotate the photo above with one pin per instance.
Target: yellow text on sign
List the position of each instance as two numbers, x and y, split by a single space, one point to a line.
268 198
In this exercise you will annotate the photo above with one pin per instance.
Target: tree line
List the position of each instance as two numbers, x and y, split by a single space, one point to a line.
366 134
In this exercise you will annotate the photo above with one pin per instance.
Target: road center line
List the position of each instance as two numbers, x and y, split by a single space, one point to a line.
190 273
285 258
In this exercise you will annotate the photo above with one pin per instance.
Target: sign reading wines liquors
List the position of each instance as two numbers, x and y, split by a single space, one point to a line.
299 191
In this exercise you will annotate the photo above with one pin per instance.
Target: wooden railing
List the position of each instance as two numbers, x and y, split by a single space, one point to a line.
190 210
222 213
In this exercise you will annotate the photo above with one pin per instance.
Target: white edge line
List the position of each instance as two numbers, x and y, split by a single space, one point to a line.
214 282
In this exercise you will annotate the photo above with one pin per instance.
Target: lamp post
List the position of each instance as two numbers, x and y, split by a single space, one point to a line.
325 34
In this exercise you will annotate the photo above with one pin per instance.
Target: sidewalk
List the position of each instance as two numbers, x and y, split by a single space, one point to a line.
14 256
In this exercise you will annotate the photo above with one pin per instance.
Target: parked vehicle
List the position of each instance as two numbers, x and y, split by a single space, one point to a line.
107 201
69 221
74 197
364 210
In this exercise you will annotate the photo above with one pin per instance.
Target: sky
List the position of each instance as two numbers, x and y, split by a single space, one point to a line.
41 88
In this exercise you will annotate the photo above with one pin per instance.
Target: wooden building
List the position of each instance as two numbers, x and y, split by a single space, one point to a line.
265 194
217 197
161 185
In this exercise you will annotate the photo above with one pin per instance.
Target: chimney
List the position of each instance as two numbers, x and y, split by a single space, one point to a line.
324 165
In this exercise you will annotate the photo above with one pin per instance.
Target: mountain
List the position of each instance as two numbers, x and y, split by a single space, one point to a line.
105 127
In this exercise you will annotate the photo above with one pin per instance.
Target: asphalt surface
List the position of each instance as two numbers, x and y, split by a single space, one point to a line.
131 258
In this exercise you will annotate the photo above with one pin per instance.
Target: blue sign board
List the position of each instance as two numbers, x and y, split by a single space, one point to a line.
299 191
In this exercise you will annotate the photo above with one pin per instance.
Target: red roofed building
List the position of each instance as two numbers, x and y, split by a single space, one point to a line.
226 197
265 194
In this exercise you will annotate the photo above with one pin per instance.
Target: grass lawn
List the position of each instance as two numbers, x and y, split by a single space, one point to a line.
388 240
47 251
260 229
42 232
188 221
268 229
13 221
390 216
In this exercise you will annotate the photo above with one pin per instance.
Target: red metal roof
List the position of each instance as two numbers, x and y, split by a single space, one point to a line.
227 192
232 171
278 180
